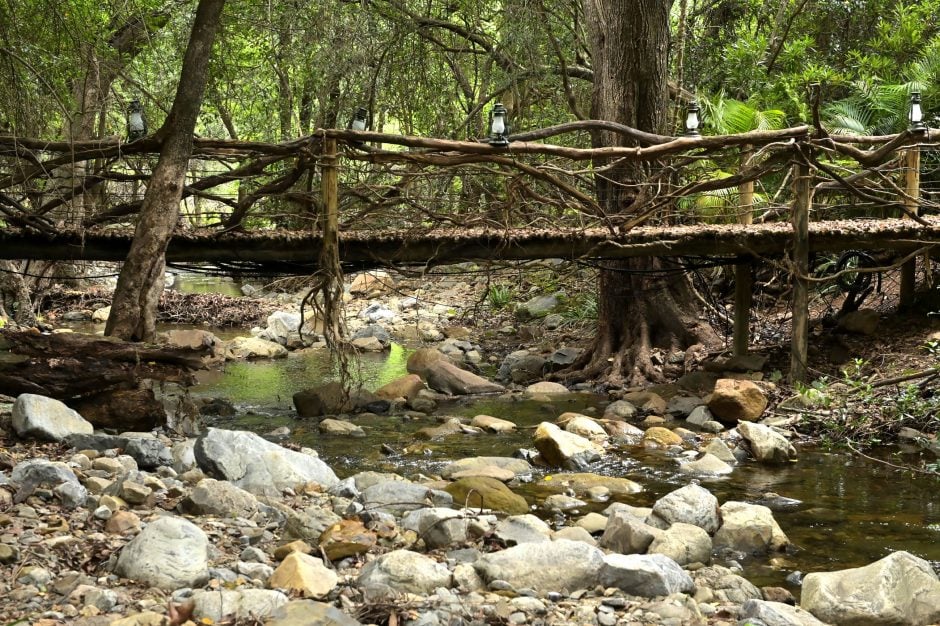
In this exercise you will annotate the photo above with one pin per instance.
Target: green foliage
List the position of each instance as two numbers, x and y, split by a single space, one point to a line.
499 296
582 307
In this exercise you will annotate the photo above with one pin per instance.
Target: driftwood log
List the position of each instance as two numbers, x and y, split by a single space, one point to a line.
95 374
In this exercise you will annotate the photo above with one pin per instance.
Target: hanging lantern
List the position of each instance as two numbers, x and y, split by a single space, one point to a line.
136 122
499 129
692 121
916 114
360 119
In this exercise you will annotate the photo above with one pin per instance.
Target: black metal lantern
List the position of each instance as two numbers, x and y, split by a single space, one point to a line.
915 115
499 129
692 120
136 122
360 119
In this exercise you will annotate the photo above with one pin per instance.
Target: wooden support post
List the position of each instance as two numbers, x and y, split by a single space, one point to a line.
912 204
743 276
803 199
329 188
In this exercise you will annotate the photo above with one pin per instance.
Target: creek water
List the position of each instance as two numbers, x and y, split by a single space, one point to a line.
852 510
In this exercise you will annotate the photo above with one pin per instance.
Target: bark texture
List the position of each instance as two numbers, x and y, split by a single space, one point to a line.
133 313
641 304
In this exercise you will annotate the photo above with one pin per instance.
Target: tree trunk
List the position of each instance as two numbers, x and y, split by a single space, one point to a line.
133 312
642 304
14 295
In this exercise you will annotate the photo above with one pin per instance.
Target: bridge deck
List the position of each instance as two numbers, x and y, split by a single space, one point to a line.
364 249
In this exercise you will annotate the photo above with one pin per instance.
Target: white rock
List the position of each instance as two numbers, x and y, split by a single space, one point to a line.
168 553
47 419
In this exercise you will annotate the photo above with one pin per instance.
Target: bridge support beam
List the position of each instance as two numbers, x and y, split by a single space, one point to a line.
799 351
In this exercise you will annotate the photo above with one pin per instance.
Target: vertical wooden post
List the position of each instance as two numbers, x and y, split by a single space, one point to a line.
743 276
803 192
911 203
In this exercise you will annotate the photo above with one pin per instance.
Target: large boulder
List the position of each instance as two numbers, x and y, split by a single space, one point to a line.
195 339
725 585
684 544
403 571
767 445
254 348
749 528
29 475
539 306
240 606
628 534
583 483
257 465
544 566
480 492
332 398
439 527
304 575
898 589
168 553
47 419
777 614
420 361
406 387
646 575
123 409
373 281
691 504
445 377
219 498
735 401
399 496
283 327
519 467
563 449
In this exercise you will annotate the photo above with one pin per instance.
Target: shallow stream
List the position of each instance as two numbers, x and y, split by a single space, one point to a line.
853 510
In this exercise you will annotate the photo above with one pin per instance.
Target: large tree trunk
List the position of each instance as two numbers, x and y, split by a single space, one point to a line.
134 309
641 305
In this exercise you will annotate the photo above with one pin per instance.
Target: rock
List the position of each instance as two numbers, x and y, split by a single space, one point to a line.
169 553
371 281
621 409
310 613
421 360
544 566
538 307
253 348
525 369
493 424
46 419
346 538
699 415
519 529
195 339
243 605
621 431
29 475
150 453
8 554
707 465
257 465
749 528
101 315
898 589
449 428
574 533
219 498
662 437
122 522
403 571
332 398
486 471
735 401
125 409
583 482
561 358
860 322
725 585
718 448
691 504
684 544
681 406
283 328
184 455
649 401
438 527
647 575
545 387
305 575
398 497
331 426
281 552
562 502
564 449
486 493
445 377
406 387
777 614
372 338
585 426
308 524
767 445
519 467
146 618
627 534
